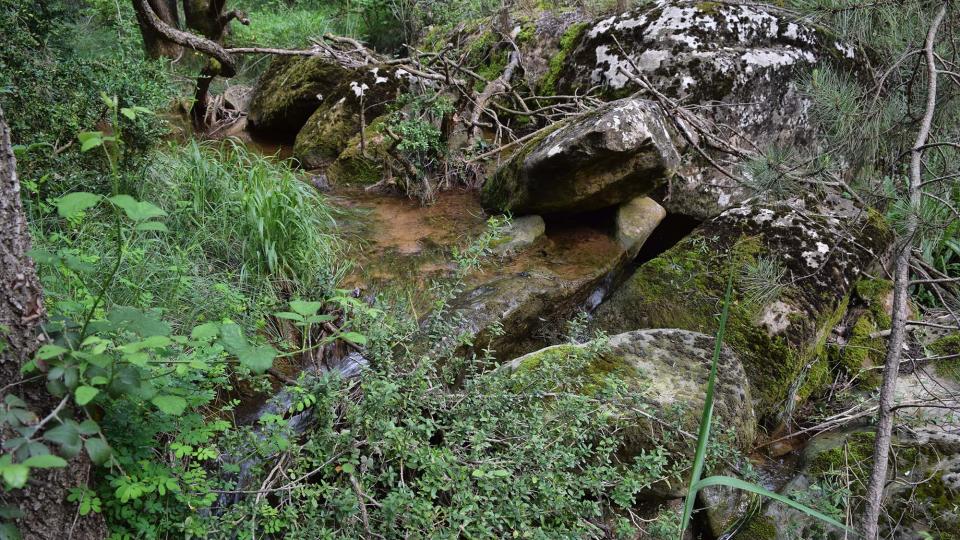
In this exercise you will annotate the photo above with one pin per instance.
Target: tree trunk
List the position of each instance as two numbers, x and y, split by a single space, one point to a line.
46 512
156 45
901 295
210 18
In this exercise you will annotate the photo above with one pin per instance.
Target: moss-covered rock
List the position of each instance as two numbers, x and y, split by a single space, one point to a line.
289 91
666 371
859 348
330 128
780 335
363 164
619 152
948 349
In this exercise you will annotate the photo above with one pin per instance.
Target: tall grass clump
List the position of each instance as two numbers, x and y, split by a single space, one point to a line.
244 233
249 212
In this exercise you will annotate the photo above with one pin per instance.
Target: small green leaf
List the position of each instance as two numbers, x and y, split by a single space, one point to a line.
258 359
15 474
72 204
85 394
137 210
305 308
232 337
151 226
66 434
50 351
289 316
347 468
98 450
88 427
129 113
354 337
173 405
48 461
90 140
205 331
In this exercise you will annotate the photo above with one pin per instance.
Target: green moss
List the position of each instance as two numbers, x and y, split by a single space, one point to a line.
947 346
354 167
759 528
569 39
857 449
681 288
287 94
709 8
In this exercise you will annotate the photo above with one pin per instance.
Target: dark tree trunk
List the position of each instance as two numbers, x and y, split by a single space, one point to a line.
210 18
156 45
47 514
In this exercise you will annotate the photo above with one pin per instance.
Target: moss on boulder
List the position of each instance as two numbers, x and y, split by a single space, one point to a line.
780 338
290 90
665 372
330 128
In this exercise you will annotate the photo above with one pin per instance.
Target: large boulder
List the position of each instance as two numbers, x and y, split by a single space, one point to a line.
740 64
289 91
666 370
794 264
357 100
622 150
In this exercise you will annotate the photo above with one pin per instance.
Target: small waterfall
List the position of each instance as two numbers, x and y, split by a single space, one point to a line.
348 367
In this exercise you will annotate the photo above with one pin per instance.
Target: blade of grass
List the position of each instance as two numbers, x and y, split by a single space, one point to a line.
748 486
703 436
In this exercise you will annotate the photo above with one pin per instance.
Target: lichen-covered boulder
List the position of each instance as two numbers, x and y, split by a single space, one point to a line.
330 128
289 91
745 59
364 164
666 370
794 264
622 150
636 220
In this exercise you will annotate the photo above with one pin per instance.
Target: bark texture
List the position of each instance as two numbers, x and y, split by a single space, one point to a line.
47 514
154 42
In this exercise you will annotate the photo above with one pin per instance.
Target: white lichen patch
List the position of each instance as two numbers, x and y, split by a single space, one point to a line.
816 257
776 317
845 48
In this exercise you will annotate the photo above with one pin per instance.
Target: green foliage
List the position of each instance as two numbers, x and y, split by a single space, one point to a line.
53 67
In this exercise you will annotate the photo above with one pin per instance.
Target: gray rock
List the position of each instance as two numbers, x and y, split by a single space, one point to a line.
636 221
743 58
522 233
623 150
667 370
795 263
